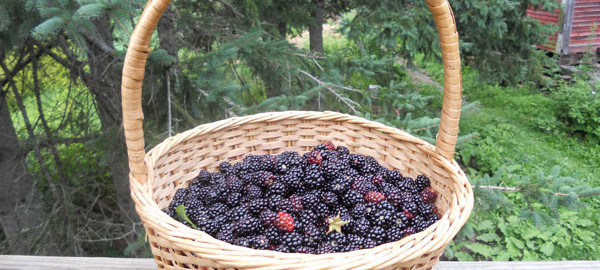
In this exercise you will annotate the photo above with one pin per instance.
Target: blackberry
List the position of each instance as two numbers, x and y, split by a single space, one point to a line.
339 185
359 210
246 226
265 179
393 176
377 234
410 230
337 241
217 209
259 242
312 177
305 249
363 186
352 198
282 248
357 161
382 218
361 226
369 243
385 205
421 182
178 198
204 177
292 240
410 185
286 161
224 167
329 155
285 205
406 197
193 189
428 194
237 213
410 210
395 234
308 216
342 150
296 201
394 198
242 241
399 220
313 235
324 248
425 208
216 178
322 211
371 166
209 195
191 207
353 242
330 169
274 201
253 192
233 199
267 162
226 235
273 235
377 179
293 178
277 188
234 184
329 198
209 226
268 217
256 206
310 200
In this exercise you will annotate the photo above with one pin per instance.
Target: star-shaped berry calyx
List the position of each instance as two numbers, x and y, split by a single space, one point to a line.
336 223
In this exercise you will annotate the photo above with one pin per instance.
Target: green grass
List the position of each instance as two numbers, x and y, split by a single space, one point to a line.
517 127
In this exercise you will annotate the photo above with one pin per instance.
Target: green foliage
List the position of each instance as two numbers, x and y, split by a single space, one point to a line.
495 37
180 210
579 106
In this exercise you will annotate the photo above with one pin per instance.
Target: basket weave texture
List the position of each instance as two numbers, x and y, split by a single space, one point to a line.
156 176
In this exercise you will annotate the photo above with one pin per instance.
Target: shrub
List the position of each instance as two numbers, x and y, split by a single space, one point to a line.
579 106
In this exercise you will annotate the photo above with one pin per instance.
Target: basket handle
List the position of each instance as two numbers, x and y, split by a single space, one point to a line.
138 50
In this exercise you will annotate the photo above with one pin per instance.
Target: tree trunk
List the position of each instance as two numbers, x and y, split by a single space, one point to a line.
315 28
20 205
166 32
104 82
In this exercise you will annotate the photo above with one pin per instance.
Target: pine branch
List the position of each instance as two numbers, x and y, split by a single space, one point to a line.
325 85
516 189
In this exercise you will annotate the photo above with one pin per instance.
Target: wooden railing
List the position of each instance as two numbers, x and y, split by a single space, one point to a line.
16 262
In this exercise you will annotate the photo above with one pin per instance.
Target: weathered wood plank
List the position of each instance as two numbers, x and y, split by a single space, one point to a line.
11 262
549 265
16 262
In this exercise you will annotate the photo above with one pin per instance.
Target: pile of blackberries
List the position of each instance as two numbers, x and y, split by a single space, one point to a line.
324 201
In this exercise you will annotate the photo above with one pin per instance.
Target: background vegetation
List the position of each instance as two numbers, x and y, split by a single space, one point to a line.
529 138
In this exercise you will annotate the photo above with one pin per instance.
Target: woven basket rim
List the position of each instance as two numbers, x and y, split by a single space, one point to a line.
146 206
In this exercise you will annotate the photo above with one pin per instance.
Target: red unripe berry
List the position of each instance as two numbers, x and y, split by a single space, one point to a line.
285 222
374 197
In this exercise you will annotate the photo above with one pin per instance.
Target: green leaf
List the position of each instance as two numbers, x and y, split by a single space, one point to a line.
488 237
485 225
482 249
180 210
548 248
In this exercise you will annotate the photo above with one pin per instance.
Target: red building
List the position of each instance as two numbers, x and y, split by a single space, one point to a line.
579 28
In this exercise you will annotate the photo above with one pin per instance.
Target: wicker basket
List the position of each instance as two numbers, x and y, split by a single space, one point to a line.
170 165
